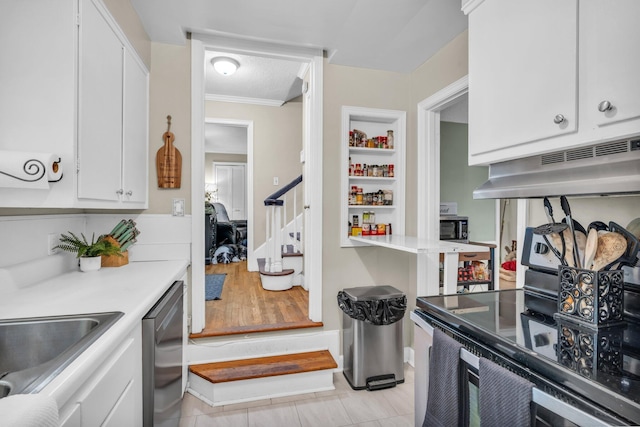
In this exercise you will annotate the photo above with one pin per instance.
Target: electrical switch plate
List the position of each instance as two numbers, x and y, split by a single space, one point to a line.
52 240
301 156
275 180
178 207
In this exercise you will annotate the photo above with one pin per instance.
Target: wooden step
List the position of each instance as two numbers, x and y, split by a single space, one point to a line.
261 367
290 252
284 272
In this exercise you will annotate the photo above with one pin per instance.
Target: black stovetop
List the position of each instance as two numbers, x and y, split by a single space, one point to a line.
599 364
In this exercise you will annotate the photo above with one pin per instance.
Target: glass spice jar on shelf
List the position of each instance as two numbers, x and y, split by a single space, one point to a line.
390 139
388 197
359 196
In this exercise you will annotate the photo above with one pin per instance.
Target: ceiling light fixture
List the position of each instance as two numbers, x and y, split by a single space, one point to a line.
225 66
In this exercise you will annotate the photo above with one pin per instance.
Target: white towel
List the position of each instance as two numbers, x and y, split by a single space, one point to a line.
29 410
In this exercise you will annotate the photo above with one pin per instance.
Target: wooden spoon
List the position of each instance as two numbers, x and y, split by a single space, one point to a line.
611 246
581 239
590 248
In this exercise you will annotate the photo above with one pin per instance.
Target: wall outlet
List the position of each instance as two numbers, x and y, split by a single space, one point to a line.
52 240
178 207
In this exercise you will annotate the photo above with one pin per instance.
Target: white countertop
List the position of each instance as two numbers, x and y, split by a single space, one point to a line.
415 245
132 289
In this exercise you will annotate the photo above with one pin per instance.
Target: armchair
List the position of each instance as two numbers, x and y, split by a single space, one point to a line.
228 231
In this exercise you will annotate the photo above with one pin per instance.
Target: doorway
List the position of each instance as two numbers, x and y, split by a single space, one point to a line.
429 148
312 159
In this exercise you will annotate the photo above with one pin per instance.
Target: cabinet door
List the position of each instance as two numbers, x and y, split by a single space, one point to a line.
135 171
610 35
522 74
100 107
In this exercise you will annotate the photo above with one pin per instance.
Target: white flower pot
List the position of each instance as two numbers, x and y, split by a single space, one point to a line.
90 263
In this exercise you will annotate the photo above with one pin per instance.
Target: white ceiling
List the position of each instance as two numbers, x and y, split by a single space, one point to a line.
386 35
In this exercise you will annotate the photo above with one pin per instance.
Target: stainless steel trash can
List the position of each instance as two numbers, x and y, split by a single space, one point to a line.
373 354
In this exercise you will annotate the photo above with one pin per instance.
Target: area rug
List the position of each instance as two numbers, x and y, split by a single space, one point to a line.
213 286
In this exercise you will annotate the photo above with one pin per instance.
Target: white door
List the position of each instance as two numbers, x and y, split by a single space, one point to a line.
230 179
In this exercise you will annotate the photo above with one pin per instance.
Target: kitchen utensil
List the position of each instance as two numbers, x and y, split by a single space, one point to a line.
598 225
567 211
549 210
577 226
168 161
611 246
567 237
555 231
590 248
630 256
634 227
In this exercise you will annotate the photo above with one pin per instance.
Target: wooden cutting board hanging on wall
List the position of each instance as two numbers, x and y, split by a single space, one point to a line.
169 161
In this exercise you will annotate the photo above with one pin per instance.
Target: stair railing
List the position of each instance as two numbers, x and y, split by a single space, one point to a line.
276 229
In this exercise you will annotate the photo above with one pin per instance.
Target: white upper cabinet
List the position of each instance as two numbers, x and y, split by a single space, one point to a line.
539 70
112 138
73 85
521 74
135 169
100 107
611 59
37 92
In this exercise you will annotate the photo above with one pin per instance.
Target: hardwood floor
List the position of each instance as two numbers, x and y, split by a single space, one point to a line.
246 307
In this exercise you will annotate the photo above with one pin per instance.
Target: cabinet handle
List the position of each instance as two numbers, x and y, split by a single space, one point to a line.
559 118
120 192
129 193
306 206
605 106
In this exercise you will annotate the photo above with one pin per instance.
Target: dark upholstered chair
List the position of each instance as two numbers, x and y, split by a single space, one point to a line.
209 233
228 231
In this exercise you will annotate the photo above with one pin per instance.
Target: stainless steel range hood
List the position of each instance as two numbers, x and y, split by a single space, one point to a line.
606 169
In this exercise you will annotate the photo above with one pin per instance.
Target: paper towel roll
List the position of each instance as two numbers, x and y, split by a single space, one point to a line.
20 169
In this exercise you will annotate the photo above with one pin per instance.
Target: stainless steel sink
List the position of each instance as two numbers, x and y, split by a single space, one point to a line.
34 351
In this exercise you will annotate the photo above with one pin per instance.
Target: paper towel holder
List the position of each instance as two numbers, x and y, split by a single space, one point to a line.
29 168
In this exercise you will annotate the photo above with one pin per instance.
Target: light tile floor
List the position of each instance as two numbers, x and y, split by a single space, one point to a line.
343 406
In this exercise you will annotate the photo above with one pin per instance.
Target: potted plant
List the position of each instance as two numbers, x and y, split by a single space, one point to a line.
89 253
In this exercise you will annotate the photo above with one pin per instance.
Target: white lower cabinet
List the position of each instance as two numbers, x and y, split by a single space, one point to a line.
112 396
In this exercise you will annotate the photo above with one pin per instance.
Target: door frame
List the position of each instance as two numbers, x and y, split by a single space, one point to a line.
248 124
428 268
312 155
428 265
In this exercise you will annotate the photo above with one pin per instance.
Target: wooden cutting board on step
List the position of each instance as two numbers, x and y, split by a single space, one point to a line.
169 161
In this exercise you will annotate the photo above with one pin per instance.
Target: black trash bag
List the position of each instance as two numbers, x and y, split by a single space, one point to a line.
375 312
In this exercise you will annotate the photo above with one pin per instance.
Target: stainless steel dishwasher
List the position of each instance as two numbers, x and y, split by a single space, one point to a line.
162 338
